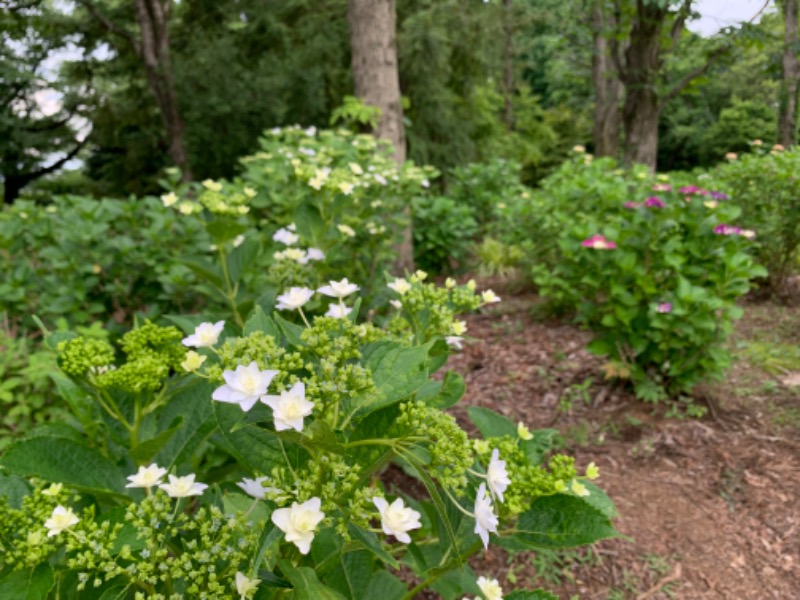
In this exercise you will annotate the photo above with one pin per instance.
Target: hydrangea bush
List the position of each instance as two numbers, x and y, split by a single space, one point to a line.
765 185
298 453
657 279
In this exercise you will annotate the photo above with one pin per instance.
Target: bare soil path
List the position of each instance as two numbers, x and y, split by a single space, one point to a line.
710 507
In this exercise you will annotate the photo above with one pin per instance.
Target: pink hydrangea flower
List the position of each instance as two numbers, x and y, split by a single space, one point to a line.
662 187
723 229
598 242
632 204
719 196
654 202
664 307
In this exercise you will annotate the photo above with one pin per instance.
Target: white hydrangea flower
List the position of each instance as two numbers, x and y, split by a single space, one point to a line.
169 199
339 289
490 588
399 285
523 432
255 487
245 586
286 237
192 361
146 477
238 241
380 179
338 311
315 254
250 192
182 487
346 188
459 327
397 519
299 522
295 298
489 297
454 341
397 304
346 230
356 168
290 408
54 489
212 185
244 386
485 520
205 335
497 475
61 519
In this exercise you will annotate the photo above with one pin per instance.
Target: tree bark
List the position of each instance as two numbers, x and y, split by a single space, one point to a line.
155 54
373 25
608 89
791 76
152 48
642 64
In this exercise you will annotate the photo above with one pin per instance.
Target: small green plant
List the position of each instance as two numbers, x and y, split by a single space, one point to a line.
443 233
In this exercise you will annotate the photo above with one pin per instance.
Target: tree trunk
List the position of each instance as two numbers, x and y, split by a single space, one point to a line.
642 63
608 89
155 54
791 76
377 83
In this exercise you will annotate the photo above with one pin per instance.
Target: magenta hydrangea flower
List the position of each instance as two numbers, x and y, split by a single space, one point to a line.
723 229
689 189
664 307
719 196
654 202
598 242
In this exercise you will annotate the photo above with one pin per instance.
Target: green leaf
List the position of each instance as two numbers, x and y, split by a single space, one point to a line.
397 371
451 391
223 229
309 222
371 543
144 452
258 449
204 269
241 258
385 586
259 321
306 585
194 406
490 423
562 521
600 500
536 449
32 584
539 594
118 592
66 461
14 489
290 331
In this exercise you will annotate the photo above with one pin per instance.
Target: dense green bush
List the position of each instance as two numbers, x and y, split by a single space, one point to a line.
765 184
443 233
657 281
276 438
87 259
581 190
26 395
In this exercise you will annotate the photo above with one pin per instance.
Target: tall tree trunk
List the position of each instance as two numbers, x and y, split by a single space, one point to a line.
642 63
155 54
791 76
373 25
608 89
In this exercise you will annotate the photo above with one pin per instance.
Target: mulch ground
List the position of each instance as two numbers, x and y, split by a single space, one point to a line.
710 507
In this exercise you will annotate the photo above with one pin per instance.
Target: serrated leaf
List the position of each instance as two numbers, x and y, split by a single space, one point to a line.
370 541
66 461
193 405
33 584
385 586
145 451
241 258
490 423
256 448
290 331
205 270
259 321
562 521
306 585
